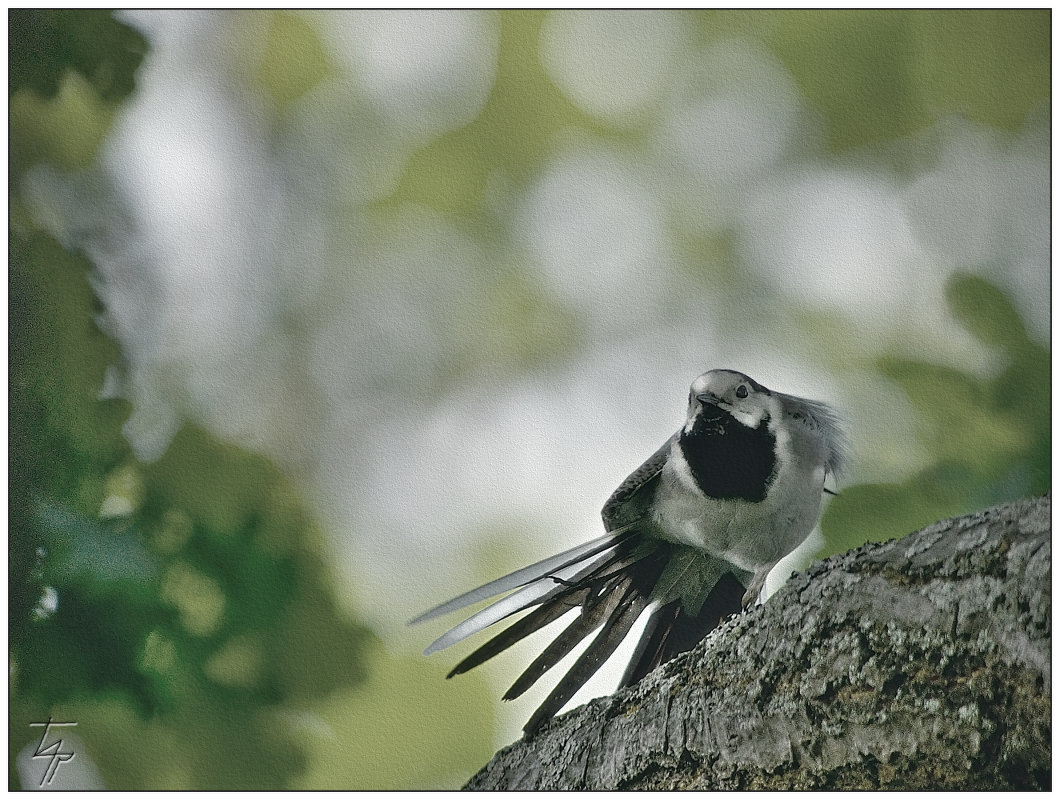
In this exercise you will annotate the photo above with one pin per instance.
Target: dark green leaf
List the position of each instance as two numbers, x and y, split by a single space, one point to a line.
87 551
46 43
985 311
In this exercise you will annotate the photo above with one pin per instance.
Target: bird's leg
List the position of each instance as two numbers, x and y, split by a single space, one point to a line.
754 588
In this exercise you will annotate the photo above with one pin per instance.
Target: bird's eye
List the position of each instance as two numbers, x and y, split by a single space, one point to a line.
741 391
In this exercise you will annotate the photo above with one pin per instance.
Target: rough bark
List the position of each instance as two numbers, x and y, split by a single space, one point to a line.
921 663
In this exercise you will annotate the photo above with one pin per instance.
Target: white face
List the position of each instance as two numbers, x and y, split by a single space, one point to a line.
747 401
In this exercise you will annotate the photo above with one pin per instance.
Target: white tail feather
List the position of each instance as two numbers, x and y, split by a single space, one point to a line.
536 592
521 577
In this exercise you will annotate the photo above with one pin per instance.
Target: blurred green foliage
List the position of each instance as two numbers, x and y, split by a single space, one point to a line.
294 60
45 43
192 592
884 73
875 74
509 140
68 70
989 438
175 608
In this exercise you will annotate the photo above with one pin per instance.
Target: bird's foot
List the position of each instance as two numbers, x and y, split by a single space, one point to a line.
754 588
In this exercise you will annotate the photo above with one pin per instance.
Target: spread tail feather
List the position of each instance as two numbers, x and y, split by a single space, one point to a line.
595 611
558 601
612 579
517 631
536 593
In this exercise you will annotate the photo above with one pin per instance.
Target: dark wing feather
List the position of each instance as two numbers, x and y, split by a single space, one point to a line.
517 631
625 613
629 501
671 631
566 596
648 654
594 612
602 592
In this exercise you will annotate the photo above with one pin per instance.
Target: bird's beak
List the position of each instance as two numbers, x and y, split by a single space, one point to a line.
708 397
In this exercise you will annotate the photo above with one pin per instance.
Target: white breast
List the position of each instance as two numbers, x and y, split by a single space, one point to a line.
748 535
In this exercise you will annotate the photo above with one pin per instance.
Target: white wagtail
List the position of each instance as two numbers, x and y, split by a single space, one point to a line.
693 532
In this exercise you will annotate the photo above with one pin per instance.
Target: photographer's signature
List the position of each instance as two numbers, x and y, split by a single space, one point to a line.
53 751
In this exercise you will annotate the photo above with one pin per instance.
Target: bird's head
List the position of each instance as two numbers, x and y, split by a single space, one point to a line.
729 392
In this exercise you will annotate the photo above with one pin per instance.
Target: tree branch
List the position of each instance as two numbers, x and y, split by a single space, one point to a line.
919 663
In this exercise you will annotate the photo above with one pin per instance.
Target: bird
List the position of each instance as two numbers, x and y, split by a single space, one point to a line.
690 537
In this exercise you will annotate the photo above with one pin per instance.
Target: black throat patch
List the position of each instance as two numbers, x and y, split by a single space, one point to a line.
728 460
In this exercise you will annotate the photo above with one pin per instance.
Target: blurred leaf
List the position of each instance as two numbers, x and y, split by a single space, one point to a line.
219 485
853 66
105 585
507 142
44 44
169 613
1024 388
985 311
883 511
883 73
990 64
91 646
84 550
65 130
63 439
58 360
68 71
990 439
960 422
311 649
251 536
1023 392
294 61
